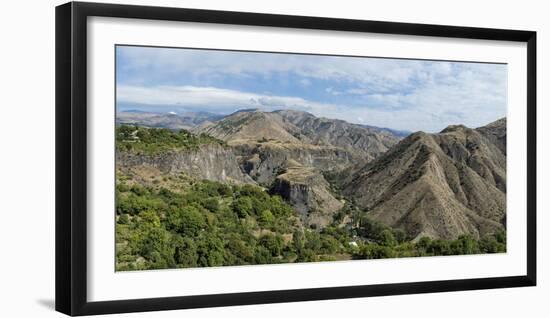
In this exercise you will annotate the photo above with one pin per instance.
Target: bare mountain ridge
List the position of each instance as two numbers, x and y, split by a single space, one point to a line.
300 127
495 132
437 185
246 126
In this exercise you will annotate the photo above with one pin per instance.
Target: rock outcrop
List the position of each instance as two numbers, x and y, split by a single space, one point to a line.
265 160
308 192
209 161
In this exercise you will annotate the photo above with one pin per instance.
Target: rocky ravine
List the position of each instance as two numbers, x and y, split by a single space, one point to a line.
268 144
265 141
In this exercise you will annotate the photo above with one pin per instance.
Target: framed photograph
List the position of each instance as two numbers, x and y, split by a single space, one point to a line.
210 158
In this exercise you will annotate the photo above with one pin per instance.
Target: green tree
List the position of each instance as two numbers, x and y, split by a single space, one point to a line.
465 244
313 241
307 255
154 243
237 252
274 243
375 251
441 247
387 238
400 236
329 245
298 241
185 253
187 221
243 207
211 204
123 219
210 251
266 218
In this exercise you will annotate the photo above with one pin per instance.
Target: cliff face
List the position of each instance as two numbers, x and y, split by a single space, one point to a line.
307 191
209 161
264 161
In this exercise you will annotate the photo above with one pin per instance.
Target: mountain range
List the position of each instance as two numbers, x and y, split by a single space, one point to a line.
170 120
438 185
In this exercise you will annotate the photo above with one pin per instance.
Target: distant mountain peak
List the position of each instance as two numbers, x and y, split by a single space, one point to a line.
170 120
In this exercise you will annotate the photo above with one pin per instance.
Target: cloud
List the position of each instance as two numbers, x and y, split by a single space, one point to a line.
379 73
396 93
227 101
333 91
211 98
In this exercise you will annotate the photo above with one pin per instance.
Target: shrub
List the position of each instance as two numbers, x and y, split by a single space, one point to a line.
266 218
243 207
187 221
274 243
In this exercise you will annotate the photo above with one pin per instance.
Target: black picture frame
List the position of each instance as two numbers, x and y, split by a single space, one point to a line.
71 157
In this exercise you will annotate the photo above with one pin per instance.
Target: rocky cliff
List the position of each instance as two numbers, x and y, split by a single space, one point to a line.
209 161
308 192
263 161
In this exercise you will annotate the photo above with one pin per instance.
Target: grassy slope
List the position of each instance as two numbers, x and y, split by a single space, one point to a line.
154 140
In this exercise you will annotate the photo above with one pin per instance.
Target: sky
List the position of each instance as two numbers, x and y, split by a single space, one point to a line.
401 94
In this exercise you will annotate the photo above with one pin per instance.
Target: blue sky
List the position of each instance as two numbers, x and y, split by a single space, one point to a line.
395 93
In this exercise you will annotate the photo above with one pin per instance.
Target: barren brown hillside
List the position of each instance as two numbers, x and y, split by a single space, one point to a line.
437 185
